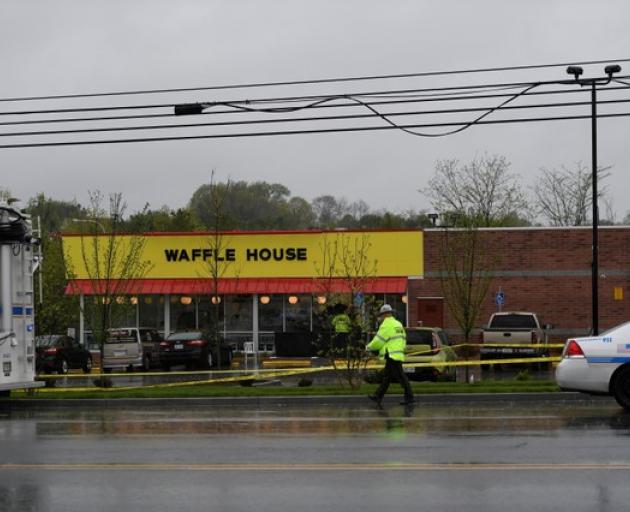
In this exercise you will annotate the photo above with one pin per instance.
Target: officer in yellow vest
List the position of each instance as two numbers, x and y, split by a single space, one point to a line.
341 325
390 342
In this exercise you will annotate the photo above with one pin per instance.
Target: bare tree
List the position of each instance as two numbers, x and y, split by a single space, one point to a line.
564 196
465 276
483 189
111 262
221 260
344 271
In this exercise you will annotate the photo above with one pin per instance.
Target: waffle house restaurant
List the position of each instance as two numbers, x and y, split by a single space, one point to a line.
271 288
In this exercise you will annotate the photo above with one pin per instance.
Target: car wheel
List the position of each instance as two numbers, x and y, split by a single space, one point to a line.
207 360
62 369
621 388
166 367
87 366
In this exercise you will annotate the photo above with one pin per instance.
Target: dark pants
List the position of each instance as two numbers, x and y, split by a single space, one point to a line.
394 371
340 341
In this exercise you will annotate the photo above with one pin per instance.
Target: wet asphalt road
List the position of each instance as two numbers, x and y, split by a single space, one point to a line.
472 455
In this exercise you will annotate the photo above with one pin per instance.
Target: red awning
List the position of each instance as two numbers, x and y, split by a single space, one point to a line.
234 286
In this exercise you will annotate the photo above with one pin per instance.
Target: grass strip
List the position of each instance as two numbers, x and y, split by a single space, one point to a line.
218 390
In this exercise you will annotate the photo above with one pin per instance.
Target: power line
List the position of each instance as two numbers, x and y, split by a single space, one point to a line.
311 81
306 132
306 119
309 118
314 99
324 106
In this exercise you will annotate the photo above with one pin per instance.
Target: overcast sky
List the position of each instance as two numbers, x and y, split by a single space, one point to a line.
82 46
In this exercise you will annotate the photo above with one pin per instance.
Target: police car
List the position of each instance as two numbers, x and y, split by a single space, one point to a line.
598 364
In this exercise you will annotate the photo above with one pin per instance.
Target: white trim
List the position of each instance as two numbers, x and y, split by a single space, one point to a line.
528 228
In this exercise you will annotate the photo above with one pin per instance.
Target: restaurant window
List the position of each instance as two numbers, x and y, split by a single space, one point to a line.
297 313
270 312
151 311
238 313
208 309
183 317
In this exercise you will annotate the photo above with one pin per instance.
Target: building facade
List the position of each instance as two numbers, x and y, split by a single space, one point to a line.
275 289
543 270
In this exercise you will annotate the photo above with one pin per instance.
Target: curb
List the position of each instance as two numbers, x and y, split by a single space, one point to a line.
451 398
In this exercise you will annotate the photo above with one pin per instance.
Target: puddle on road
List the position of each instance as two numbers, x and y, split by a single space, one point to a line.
320 420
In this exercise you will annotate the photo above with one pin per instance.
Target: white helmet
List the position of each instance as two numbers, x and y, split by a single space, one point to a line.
385 309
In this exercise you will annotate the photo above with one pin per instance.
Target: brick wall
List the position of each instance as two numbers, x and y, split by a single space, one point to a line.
544 270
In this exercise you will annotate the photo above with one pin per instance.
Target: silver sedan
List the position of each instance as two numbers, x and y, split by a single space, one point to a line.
598 364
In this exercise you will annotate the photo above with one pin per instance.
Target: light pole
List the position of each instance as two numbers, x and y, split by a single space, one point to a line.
576 71
90 221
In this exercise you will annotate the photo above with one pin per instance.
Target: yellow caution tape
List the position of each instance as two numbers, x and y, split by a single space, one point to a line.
254 374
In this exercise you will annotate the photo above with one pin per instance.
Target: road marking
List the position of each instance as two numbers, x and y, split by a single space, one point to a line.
316 467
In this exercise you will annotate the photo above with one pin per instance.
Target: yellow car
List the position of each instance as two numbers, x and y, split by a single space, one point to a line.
428 345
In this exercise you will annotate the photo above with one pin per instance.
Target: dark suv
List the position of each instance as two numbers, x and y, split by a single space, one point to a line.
192 348
59 353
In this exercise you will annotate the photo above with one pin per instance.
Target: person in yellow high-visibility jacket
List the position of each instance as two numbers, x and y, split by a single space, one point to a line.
341 325
390 342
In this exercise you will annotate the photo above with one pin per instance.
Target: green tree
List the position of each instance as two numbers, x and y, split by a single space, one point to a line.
55 311
52 213
250 206
162 220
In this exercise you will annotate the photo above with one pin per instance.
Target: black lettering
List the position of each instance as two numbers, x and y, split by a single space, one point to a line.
290 254
207 254
230 255
196 253
265 254
183 255
171 254
252 254
278 254
301 253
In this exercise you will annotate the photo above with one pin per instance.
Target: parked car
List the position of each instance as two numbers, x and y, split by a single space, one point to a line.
598 364
511 329
60 353
192 348
131 347
427 345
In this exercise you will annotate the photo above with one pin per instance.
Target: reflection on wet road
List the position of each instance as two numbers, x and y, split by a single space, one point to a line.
471 454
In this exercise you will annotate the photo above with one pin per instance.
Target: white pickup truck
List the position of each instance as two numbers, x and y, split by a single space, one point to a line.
508 331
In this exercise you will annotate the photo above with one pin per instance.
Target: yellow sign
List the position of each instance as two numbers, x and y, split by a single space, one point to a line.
264 255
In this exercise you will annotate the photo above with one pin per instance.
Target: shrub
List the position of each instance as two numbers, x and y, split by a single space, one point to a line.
103 382
522 375
304 382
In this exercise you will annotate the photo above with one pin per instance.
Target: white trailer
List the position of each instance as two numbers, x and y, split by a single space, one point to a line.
17 264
